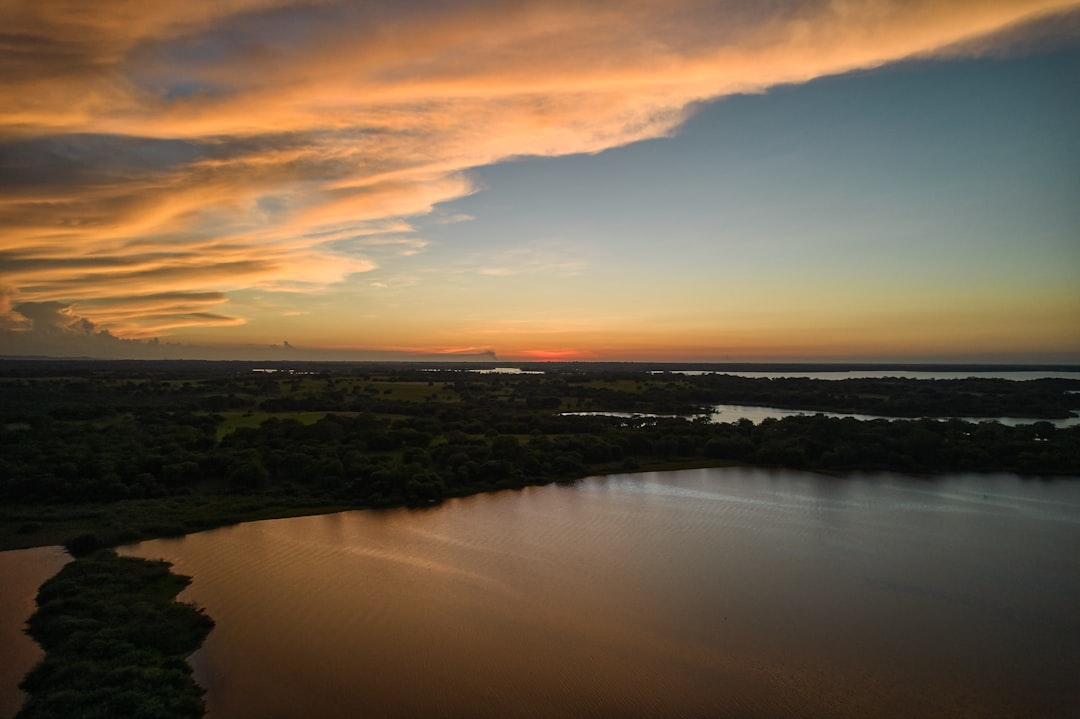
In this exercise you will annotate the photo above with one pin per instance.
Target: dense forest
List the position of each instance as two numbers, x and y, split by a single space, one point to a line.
99 453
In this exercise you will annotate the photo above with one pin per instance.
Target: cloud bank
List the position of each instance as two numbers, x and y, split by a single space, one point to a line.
155 157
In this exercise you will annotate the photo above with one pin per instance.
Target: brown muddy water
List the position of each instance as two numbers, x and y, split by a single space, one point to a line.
21 573
706 593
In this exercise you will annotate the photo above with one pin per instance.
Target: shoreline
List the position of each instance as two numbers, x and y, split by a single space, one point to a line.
82 520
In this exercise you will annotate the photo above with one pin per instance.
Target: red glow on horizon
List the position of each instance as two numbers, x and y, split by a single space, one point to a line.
555 355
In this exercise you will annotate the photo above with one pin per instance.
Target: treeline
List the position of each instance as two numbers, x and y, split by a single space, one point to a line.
899 397
115 643
98 390
366 458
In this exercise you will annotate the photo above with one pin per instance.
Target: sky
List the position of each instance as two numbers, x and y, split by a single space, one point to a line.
685 180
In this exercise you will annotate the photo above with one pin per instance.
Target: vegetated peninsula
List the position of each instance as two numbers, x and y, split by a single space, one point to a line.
116 643
98 453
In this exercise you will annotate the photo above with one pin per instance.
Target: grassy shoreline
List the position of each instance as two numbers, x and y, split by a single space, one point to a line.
84 528
126 522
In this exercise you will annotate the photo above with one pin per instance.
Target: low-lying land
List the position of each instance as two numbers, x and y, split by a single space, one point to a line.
100 453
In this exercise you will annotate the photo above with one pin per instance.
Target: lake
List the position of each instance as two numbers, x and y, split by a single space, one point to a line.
721 592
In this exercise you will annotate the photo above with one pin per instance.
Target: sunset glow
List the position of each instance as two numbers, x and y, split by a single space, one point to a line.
679 180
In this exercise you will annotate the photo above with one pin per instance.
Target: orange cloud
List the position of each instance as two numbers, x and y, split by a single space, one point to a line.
209 146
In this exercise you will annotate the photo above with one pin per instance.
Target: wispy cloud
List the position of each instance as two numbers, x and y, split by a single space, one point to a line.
156 156
454 218
550 257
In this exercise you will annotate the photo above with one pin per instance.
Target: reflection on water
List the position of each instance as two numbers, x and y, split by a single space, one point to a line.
725 592
21 573
735 412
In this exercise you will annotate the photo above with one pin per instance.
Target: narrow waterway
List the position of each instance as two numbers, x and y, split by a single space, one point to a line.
21 573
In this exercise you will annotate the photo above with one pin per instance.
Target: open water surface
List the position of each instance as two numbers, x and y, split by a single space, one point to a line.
21 573
736 412
723 592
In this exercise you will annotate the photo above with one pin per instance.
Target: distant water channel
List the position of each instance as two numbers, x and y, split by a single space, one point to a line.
705 593
736 412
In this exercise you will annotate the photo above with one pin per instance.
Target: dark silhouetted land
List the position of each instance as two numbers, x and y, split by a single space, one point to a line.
116 642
